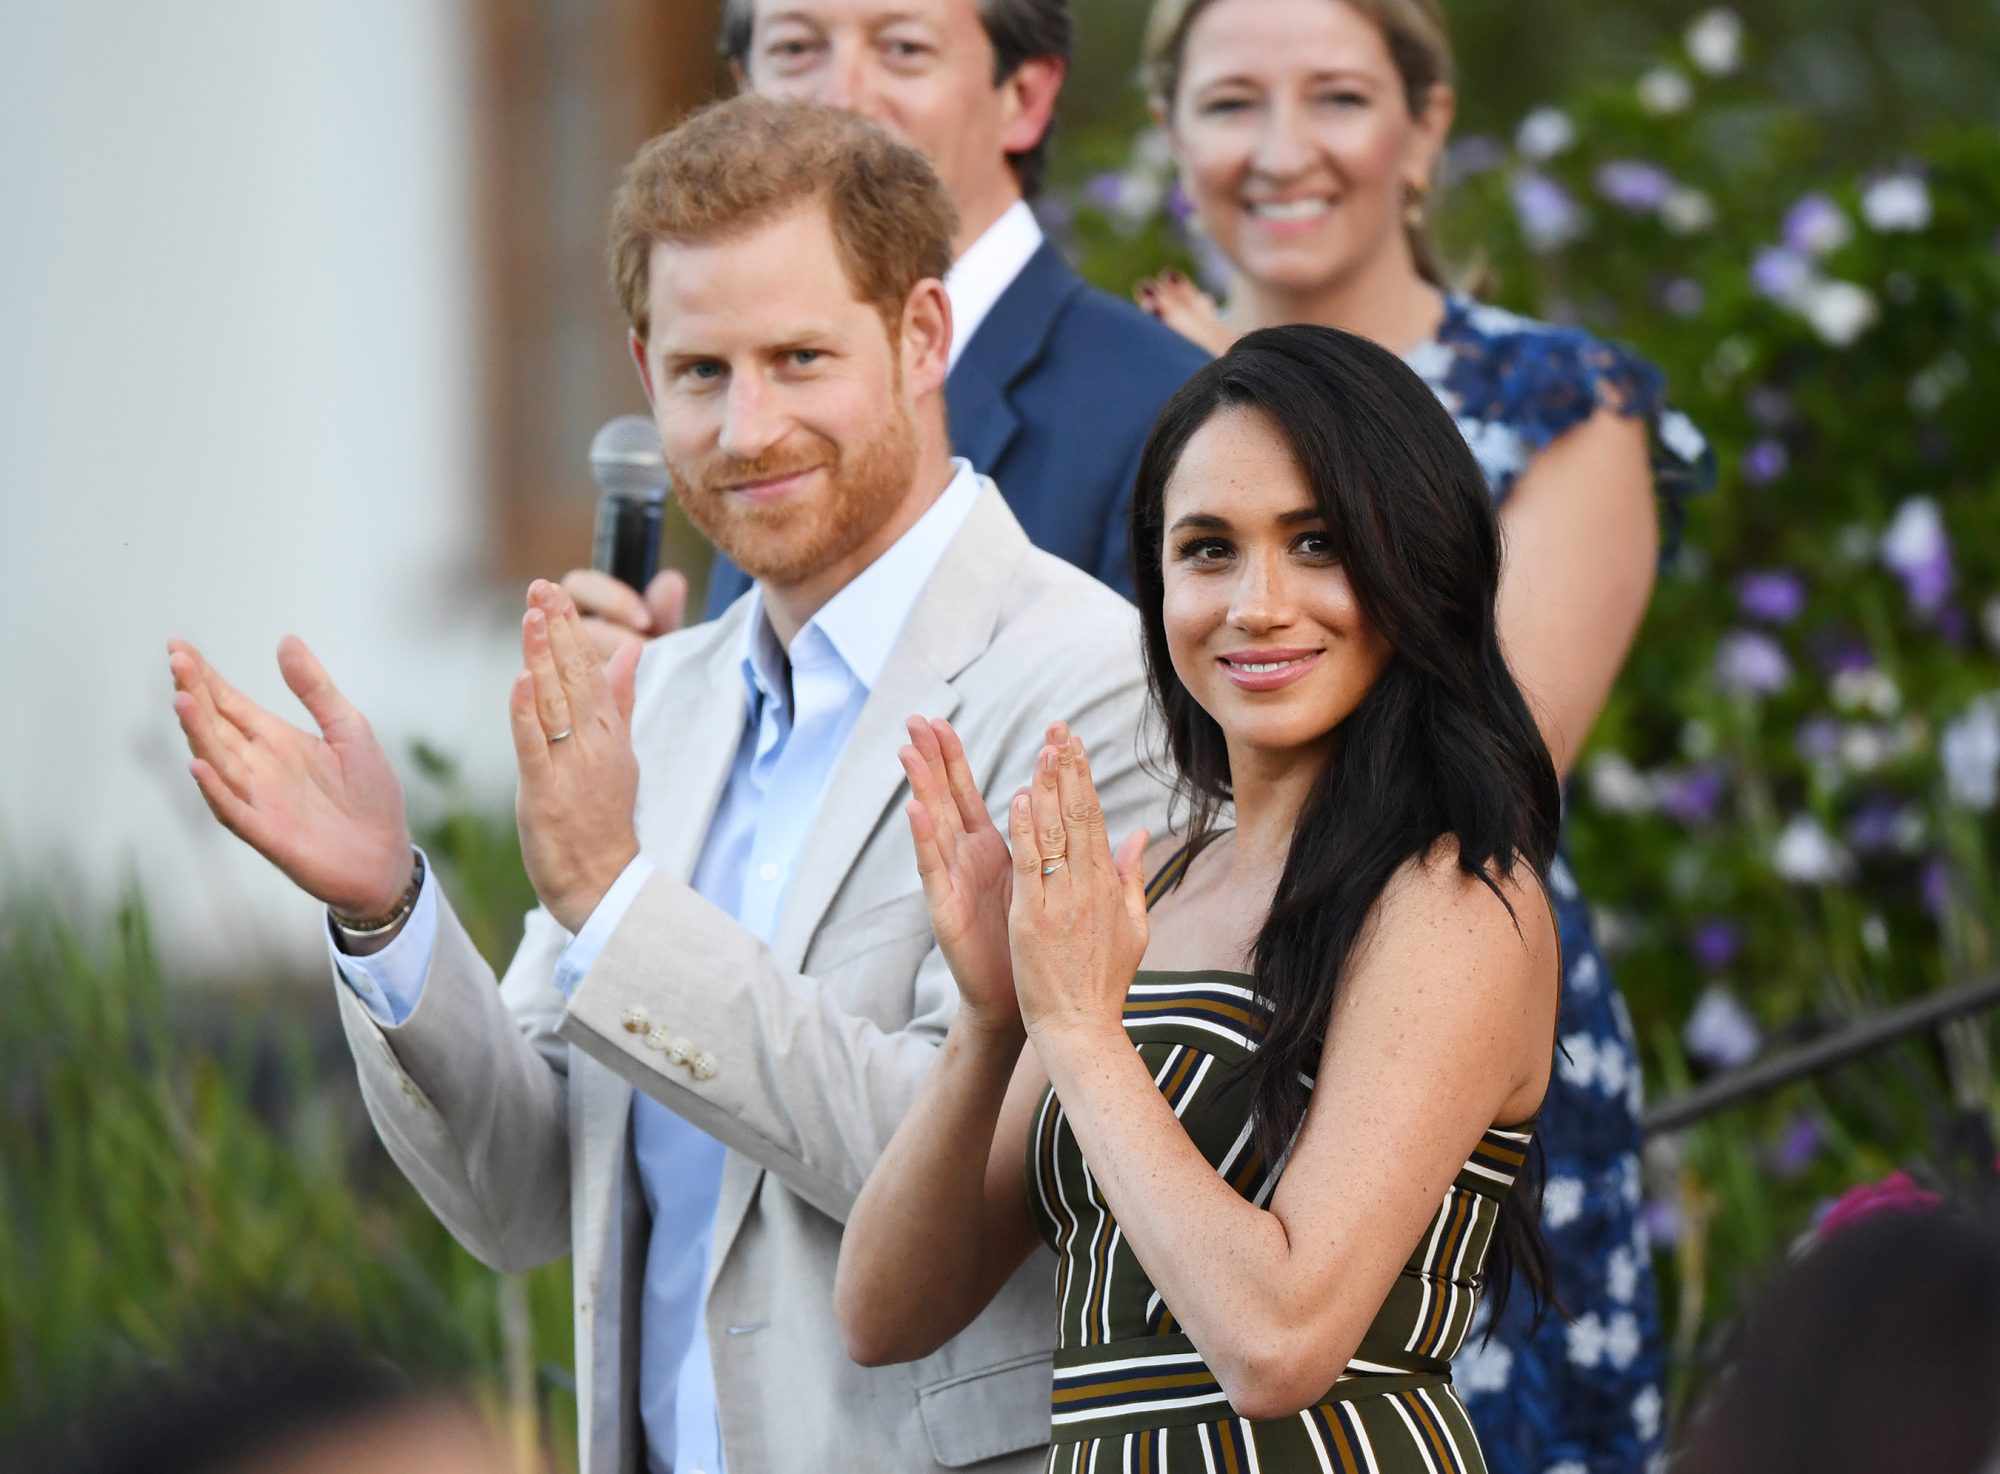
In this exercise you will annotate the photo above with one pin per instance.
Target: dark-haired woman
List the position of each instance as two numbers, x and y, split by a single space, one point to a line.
1271 1105
1307 134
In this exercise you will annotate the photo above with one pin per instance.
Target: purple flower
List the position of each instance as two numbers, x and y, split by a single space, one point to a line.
1715 943
1770 407
1631 185
1720 1032
1917 551
1793 1152
1780 273
1549 218
1692 797
1179 207
1662 1218
1105 190
1765 461
1936 886
1476 153
1751 663
1818 739
1775 598
1816 225
1839 654
1683 296
1876 826
1055 214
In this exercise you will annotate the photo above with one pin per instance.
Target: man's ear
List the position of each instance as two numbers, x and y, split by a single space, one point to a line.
1028 100
926 345
644 365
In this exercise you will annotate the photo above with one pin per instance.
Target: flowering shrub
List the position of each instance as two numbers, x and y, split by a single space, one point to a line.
1787 812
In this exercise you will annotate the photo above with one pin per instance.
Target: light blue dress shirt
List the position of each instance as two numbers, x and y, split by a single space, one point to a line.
800 706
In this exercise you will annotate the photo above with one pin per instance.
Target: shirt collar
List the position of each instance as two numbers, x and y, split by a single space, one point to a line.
988 267
861 623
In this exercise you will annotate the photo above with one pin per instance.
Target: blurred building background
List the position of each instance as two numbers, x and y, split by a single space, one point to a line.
310 334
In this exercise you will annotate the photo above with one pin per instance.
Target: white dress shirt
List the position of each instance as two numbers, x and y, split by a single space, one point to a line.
795 725
987 269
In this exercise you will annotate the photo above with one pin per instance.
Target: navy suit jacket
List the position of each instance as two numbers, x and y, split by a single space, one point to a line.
1054 398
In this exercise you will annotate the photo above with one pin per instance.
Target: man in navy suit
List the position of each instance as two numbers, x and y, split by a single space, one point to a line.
1053 385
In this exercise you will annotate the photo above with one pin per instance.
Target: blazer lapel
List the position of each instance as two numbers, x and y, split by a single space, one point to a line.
950 624
1008 343
695 769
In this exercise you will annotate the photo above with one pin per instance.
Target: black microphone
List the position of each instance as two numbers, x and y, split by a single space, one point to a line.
626 463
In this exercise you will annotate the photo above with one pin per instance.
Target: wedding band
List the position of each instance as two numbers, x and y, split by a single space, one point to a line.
1050 867
555 737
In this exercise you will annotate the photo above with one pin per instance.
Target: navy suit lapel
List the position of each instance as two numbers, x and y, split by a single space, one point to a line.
1008 343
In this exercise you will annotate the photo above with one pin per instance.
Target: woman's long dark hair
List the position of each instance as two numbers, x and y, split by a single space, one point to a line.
1442 744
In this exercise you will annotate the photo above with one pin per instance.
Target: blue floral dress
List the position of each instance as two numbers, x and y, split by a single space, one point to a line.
1582 1396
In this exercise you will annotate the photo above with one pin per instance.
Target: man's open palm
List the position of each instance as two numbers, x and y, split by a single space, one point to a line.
327 810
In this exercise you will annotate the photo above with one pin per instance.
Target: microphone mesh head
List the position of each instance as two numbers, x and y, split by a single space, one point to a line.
625 458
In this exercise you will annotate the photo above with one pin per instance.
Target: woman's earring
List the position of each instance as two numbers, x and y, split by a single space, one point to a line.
1413 205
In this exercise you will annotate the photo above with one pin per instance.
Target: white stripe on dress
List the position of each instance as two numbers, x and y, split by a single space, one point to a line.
1360 1432
1417 1439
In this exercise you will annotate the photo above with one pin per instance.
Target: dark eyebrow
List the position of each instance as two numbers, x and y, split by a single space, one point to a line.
1209 521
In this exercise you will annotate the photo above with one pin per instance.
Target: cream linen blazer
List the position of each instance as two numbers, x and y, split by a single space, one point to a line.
510 1111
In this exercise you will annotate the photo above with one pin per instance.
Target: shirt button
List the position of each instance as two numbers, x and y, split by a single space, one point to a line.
767 872
635 1021
702 1066
658 1038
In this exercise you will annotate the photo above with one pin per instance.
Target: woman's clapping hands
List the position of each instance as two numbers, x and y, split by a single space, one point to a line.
1078 923
1047 931
966 870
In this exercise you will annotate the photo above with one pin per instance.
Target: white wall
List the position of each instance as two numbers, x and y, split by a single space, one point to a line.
237 298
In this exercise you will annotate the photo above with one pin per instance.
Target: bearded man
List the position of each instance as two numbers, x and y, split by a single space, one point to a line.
730 993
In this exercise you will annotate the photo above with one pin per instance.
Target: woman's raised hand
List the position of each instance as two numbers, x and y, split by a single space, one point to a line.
1187 309
966 870
1078 923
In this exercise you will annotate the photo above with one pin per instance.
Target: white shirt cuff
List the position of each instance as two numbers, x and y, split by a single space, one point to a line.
582 952
390 983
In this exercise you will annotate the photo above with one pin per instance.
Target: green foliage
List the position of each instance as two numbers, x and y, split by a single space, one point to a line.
177 1162
1787 814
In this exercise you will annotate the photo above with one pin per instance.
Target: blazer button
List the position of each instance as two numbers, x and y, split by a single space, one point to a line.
677 1051
702 1066
635 1021
658 1038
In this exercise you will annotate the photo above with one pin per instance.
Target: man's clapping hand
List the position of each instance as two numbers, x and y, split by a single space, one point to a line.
614 616
571 714
327 810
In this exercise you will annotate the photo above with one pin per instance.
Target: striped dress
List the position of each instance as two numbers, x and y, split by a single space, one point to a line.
1132 1394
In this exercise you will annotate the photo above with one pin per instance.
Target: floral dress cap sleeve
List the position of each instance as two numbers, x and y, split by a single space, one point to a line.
1516 386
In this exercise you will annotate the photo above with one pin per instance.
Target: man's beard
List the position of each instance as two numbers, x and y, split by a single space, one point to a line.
795 539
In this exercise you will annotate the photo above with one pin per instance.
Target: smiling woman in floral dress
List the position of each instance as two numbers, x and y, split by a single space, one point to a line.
1306 133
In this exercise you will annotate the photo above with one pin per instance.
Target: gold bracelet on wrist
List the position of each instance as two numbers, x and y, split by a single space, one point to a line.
359 927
